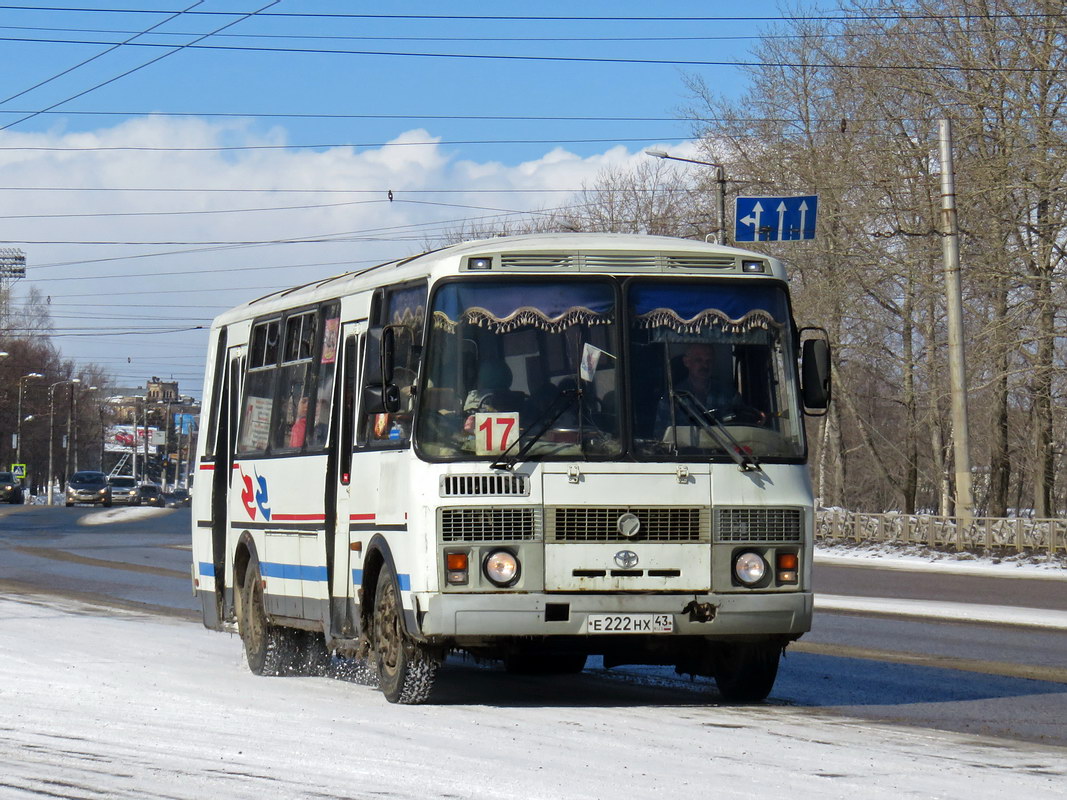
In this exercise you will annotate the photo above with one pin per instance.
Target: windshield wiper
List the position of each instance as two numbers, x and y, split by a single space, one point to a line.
563 400
708 422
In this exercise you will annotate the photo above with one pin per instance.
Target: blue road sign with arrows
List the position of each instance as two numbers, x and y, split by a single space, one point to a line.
775 219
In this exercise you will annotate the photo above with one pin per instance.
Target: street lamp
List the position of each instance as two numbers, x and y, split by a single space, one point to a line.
18 435
720 179
52 429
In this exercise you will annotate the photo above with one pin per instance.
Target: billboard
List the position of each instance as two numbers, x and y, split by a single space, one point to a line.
123 438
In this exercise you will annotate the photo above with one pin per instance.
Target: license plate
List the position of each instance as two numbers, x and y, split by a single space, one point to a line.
629 623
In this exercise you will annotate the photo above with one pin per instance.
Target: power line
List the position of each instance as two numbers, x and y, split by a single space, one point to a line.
929 67
433 143
108 214
562 18
290 115
148 63
98 55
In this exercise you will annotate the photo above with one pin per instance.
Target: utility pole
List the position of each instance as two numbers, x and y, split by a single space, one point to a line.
720 181
954 303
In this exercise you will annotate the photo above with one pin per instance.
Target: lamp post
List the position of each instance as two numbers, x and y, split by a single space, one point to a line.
720 180
18 435
52 430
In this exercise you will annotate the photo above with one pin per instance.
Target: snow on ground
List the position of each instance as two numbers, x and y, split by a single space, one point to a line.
895 556
96 703
108 516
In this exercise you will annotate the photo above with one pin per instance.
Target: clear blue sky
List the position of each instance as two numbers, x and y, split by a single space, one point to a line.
319 121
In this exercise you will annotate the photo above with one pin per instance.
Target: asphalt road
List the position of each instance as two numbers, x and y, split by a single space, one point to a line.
1002 680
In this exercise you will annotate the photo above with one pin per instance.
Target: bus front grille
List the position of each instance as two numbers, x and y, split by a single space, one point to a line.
480 485
593 524
469 524
759 525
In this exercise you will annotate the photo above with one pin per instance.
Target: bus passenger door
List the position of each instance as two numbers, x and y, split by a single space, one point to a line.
339 543
222 470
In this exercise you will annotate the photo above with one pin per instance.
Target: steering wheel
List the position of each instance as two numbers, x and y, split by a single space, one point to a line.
745 415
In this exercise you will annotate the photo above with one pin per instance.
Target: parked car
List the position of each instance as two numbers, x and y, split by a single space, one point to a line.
179 498
124 490
10 488
89 487
151 495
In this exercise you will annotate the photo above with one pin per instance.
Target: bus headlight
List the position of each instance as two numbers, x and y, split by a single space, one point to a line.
750 568
501 568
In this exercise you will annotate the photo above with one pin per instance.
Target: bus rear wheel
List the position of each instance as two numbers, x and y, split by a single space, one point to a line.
406 669
269 649
745 672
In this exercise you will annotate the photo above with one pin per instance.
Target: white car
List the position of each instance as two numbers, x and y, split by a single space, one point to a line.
125 491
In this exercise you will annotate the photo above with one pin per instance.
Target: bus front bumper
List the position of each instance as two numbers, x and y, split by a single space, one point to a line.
456 616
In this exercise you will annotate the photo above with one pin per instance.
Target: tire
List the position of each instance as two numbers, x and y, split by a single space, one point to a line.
535 663
745 672
269 649
406 669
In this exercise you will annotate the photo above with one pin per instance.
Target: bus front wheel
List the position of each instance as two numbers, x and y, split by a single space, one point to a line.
269 648
406 669
745 672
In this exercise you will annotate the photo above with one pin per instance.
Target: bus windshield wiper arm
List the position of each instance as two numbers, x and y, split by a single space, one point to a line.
563 400
708 422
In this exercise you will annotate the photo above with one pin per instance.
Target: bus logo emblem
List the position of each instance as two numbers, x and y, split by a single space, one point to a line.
627 559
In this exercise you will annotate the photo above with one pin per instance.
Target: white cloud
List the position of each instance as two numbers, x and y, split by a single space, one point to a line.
368 226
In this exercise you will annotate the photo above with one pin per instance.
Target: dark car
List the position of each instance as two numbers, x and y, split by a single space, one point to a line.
89 487
151 495
179 498
10 488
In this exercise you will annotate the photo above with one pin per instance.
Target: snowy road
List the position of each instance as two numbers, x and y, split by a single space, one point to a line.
106 704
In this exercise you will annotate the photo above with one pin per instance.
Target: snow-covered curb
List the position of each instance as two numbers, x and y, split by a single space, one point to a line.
915 558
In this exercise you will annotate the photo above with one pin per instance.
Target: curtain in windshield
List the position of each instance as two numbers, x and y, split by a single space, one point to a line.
506 358
712 353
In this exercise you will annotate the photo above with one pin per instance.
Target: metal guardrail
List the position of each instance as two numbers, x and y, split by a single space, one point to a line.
1018 534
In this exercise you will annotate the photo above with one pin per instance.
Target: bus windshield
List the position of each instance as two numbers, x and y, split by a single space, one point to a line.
521 365
712 370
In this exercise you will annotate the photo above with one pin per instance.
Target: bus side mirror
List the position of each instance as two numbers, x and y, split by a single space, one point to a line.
815 389
381 399
381 356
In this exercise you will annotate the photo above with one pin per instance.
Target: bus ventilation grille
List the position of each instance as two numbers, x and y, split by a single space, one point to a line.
701 262
538 261
482 485
759 525
489 524
592 524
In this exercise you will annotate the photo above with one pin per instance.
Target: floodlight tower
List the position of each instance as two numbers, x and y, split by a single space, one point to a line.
12 268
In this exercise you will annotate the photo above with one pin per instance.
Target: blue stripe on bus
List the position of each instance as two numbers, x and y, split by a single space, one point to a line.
297 572
403 579
207 569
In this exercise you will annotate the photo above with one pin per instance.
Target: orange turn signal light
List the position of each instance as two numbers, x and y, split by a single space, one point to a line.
456 561
788 561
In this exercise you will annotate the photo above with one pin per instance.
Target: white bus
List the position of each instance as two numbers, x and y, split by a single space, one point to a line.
533 449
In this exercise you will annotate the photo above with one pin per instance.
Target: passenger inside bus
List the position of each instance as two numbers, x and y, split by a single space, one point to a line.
299 427
493 390
708 376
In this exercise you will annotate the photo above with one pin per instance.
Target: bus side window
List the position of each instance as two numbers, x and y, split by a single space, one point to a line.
258 396
319 431
403 309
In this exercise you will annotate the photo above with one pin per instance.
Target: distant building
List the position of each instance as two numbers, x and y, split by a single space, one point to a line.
158 391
